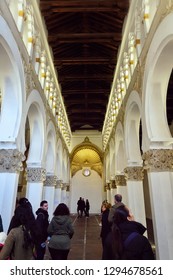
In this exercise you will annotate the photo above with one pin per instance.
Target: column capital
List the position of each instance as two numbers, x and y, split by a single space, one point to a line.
11 161
112 184
120 180
67 187
50 180
58 184
108 186
64 186
134 173
157 160
36 174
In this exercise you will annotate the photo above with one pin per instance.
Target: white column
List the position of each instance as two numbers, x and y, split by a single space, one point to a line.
34 189
160 176
63 193
108 193
121 187
134 178
113 191
10 166
68 195
57 198
49 193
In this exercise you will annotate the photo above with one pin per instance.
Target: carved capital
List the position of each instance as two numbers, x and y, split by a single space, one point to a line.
11 161
134 173
64 186
35 174
58 184
158 160
120 180
50 180
108 186
112 184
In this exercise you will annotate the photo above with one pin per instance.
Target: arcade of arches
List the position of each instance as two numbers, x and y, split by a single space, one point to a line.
39 156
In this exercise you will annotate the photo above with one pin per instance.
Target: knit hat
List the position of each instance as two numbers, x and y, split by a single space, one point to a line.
3 236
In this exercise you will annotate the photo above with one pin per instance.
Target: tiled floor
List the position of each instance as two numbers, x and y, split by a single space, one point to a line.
86 242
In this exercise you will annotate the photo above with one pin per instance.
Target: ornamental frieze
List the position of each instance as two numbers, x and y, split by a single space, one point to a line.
35 174
120 180
50 180
158 160
134 173
11 161
29 81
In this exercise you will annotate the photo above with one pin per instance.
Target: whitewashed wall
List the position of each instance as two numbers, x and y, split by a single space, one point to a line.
87 187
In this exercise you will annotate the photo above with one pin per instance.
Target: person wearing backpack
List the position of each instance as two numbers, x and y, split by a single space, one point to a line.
126 240
22 234
42 222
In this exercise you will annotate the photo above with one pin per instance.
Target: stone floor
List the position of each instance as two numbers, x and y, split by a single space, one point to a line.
86 242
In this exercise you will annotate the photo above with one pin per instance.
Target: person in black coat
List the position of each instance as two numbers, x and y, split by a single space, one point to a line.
79 207
1 225
126 240
87 208
42 222
105 225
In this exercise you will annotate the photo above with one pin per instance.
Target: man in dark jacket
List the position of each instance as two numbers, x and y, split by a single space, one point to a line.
118 203
42 221
126 240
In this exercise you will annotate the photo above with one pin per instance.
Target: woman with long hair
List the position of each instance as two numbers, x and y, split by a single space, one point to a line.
126 240
60 231
22 234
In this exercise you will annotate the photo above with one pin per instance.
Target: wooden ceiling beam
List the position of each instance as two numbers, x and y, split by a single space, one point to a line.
59 41
105 35
83 112
85 10
86 119
101 101
83 60
78 3
95 91
93 77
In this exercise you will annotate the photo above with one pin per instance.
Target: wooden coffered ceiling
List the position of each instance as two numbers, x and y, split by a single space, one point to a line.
85 36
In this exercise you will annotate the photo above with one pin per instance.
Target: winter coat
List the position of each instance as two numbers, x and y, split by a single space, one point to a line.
13 246
42 222
61 231
113 209
87 206
106 226
1 225
138 248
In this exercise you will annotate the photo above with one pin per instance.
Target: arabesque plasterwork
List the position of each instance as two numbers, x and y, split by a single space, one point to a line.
120 180
11 161
158 160
36 174
134 173
50 180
